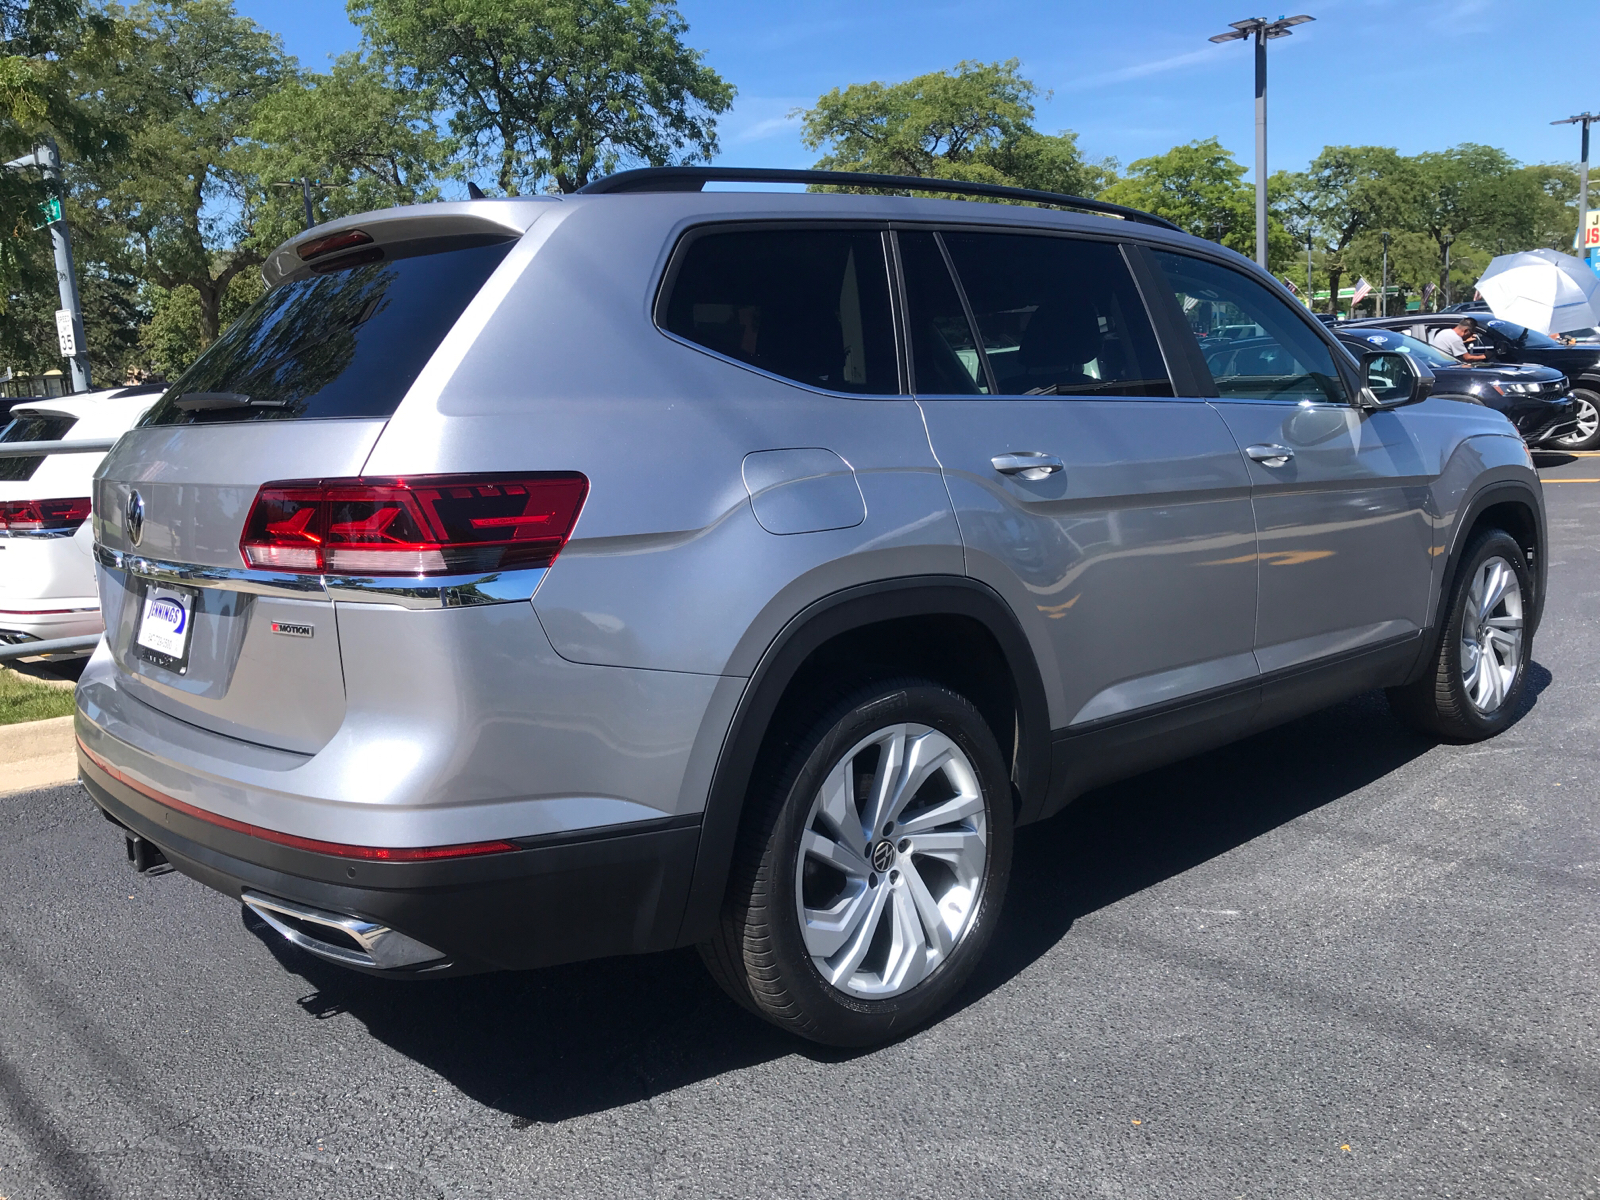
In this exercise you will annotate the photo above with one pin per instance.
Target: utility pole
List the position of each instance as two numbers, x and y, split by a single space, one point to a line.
1447 240
47 158
1263 31
1584 119
1310 299
305 186
1383 296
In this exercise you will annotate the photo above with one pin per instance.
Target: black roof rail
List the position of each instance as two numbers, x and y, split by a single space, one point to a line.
693 179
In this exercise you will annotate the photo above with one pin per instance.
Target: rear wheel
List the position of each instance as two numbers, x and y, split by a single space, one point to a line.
1479 672
871 868
1587 435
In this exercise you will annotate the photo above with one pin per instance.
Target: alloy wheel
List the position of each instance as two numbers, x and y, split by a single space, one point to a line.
1491 635
1588 424
892 861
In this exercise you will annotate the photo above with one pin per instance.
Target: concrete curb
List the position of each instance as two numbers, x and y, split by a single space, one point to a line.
36 754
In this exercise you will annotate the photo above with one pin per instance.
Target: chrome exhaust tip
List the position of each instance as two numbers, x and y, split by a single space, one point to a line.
348 941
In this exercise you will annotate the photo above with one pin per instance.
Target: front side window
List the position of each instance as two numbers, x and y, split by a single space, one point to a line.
810 305
1057 316
1284 361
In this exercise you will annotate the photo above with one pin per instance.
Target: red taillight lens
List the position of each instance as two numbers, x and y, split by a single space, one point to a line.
432 525
327 245
43 516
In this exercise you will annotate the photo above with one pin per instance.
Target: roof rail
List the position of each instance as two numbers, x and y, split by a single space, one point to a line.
693 179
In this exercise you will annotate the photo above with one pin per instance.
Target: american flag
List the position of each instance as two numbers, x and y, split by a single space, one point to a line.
1363 290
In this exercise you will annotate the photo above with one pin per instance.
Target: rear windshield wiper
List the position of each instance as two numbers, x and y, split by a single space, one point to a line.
211 401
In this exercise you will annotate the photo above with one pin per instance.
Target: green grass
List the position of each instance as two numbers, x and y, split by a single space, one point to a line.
24 699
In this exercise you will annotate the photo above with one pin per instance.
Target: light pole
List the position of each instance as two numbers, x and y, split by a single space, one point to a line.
1449 238
305 186
1263 31
48 159
1584 119
1311 301
1383 296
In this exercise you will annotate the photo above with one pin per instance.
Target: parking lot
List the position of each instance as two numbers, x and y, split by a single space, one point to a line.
1336 960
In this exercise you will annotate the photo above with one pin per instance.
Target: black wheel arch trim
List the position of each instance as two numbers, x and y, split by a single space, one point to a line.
1501 492
821 621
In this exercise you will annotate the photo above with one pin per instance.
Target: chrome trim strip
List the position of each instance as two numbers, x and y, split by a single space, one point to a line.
437 591
227 579
419 592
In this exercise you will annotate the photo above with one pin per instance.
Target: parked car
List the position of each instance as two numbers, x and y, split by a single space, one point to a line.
1537 400
47 570
1508 343
528 580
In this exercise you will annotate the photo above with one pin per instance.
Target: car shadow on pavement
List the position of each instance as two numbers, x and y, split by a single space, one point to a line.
567 1041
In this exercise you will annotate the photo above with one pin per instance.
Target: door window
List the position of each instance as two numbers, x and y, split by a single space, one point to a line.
943 350
1057 316
1277 357
810 305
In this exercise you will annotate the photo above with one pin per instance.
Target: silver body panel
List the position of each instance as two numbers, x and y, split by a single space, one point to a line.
723 501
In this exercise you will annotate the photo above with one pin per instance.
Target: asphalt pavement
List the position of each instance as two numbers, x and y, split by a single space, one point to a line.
1336 960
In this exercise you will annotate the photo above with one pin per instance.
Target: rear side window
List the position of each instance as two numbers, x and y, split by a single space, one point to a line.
347 342
810 305
1058 316
1256 346
944 351
27 428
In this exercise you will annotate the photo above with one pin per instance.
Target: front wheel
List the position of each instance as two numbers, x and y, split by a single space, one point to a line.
1587 435
1475 682
871 867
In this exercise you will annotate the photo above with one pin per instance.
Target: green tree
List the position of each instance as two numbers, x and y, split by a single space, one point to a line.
555 91
178 210
365 143
1198 187
973 123
1348 191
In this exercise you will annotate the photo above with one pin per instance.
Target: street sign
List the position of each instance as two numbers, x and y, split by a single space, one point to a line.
67 333
50 210
1591 230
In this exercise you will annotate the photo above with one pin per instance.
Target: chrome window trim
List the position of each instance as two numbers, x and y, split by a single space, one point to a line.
417 592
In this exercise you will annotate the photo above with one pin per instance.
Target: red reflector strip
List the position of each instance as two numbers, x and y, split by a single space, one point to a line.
42 612
337 849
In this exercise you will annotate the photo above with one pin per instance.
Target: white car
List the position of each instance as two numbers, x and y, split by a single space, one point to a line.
47 577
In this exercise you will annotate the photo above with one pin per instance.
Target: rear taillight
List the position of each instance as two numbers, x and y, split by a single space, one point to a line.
429 525
43 516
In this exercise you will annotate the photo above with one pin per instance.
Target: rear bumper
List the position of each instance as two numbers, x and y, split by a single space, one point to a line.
553 899
48 619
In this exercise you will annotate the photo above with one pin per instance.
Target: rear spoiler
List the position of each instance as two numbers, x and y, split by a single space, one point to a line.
489 219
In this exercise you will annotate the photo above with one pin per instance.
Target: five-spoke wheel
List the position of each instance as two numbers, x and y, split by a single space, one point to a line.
871 865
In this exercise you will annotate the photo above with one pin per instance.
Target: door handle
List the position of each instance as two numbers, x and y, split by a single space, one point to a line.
1027 464
1269 455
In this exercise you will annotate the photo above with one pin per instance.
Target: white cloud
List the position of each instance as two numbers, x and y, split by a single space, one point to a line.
1159 66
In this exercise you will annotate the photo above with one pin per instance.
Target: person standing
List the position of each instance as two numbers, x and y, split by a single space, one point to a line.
1453 341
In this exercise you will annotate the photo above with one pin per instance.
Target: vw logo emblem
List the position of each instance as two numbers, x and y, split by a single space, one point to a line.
135 518
883 856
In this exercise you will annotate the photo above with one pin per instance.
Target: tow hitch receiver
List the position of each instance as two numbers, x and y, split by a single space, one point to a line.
145 856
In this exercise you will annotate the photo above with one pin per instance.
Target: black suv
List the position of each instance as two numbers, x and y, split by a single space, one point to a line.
1505 342
1537 400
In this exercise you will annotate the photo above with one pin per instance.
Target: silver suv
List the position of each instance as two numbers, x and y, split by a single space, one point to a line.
523 581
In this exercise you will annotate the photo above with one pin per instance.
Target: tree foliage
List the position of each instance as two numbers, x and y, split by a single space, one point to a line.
555 91
973 123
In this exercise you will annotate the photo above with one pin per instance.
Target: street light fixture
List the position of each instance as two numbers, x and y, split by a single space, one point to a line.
1263 31
1585 119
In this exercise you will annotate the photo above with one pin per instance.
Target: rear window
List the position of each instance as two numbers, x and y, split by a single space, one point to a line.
345 343
811 305
27 428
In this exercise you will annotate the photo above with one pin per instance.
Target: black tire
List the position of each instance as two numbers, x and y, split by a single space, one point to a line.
1588 403
1438 702
759 955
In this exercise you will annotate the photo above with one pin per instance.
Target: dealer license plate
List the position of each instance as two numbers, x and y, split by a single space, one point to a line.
163 635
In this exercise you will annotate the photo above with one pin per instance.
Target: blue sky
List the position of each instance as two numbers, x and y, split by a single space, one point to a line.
1138 77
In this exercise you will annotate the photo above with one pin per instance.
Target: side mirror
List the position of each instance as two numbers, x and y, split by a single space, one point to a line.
1391 379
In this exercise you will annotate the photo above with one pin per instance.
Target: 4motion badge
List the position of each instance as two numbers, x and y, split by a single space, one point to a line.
293 629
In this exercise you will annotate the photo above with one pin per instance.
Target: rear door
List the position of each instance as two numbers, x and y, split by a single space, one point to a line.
1340 494
1113 516
298 389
